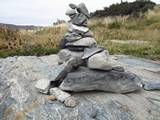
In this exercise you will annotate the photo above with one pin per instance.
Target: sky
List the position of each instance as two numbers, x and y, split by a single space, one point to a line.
44 12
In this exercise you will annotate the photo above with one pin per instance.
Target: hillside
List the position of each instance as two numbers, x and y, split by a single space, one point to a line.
18 27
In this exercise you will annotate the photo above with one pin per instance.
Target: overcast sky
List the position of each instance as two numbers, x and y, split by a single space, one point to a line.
44 12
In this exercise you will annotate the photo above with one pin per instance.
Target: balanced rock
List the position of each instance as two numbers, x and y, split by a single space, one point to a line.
83 9
80 20
85 79
86 42
88 52
70 37
78 29
101 61
65 55
70 12
43 85
59 94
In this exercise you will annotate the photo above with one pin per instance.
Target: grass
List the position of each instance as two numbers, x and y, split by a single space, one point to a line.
145 28
45 41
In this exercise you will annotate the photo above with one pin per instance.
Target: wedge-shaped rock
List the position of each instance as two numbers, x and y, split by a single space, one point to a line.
88 52
86 42
102 61
60 71
85 79
43 85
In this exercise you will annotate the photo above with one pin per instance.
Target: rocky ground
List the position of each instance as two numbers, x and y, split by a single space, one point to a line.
19 100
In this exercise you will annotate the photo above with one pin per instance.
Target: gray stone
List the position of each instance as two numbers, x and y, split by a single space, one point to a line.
59 94
88 52
86 42
73 6
76 48
60 71
151 86
27 70
102 61
65 55
70 37
78 29
70 102
70 12
88 34
43 85
81 8
80 20
85 79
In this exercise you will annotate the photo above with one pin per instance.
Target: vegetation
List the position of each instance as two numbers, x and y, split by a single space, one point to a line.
125 8
132 36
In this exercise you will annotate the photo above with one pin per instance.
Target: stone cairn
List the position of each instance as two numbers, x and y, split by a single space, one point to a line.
83 66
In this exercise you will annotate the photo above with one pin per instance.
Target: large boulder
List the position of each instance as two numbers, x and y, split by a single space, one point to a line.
20 100
85 79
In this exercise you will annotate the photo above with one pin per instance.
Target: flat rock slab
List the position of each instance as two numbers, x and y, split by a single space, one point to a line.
28 104
85 79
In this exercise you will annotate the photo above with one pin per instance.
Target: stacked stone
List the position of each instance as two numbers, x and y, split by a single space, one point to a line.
78 43
83 66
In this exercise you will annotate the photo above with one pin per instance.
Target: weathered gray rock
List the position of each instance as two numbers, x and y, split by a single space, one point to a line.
21 99
60 71
78 29
43 85
102 61
76 48
88 52
65 55
86 80
73 6
59 94
80 20
88 34
70 102
81 8
70 12
86 42
70 37
151 86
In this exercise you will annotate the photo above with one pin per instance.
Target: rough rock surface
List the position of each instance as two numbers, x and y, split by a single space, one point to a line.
85 79
102 61
43 85
20 100
65 55
86 42
59 94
